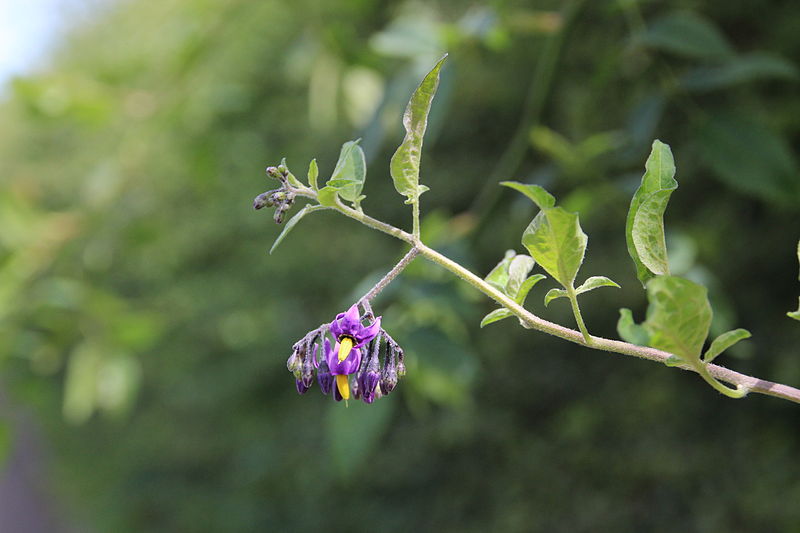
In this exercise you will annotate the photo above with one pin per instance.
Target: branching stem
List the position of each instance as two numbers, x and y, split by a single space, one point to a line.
742 382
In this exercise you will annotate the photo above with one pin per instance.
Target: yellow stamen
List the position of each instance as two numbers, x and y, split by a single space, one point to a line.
345 345
344 386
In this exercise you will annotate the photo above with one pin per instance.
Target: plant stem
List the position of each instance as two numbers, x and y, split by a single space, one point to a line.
393 273
743 382
576 310
415 218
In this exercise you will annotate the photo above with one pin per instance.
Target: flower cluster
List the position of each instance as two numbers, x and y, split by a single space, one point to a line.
281 198
353 364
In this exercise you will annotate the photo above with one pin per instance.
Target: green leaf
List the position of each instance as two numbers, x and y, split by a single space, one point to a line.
406 160
292 222
354 432
644 228
689 35
518 270
313 173
630 331
741 69
795 314
595 282
678 316
494 316
555 240
538 194
552 294
498 277
350 172
723 342
526 287
750 157
327 196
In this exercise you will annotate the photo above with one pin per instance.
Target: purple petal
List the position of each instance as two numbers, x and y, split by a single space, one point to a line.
364 335
346 367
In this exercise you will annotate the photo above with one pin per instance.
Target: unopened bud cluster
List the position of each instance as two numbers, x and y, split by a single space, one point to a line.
281 198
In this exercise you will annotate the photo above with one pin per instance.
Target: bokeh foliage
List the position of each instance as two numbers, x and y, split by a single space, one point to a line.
141 316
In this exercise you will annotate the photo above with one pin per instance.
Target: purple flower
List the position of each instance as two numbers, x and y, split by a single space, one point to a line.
344 358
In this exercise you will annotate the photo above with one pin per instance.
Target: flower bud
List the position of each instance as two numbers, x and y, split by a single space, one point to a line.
301 387
274 173
295 362
263 200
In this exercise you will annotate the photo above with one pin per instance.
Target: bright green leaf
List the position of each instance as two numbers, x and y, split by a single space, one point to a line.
552 294
644 228
595 282
498 277
538 194
292 222
350 172
327 196
555 240
313 173
526 287
406 160
494 316
518 270
678 316
630 331
687 34
723 342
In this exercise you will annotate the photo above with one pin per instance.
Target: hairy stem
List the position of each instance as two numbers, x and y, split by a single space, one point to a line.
576 310
743 382
393 273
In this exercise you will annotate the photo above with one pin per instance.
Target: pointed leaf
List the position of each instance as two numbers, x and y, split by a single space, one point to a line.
555 240
292 222
630 331
687 34
538 194
741 69
644 228
313 172
406 160
552 294
723 342
526 287
678 316
494 316
795 314
595 282
518 270
350 172
498 277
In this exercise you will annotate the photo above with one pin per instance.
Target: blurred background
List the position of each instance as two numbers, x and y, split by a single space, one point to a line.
144 330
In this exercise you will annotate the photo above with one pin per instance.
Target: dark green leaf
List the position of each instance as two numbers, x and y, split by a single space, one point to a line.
555 240
350 172
644 228
540 197
313 173
630 331
552 294
406 160
678 316
354 431
749 157
595 282
526 287
494 316
292 222
723 342
687 34
742 69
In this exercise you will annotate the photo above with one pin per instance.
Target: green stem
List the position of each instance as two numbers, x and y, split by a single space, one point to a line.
743 382
576 310
415 218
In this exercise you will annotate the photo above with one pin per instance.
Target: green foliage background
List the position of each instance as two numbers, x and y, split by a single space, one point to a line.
142 318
